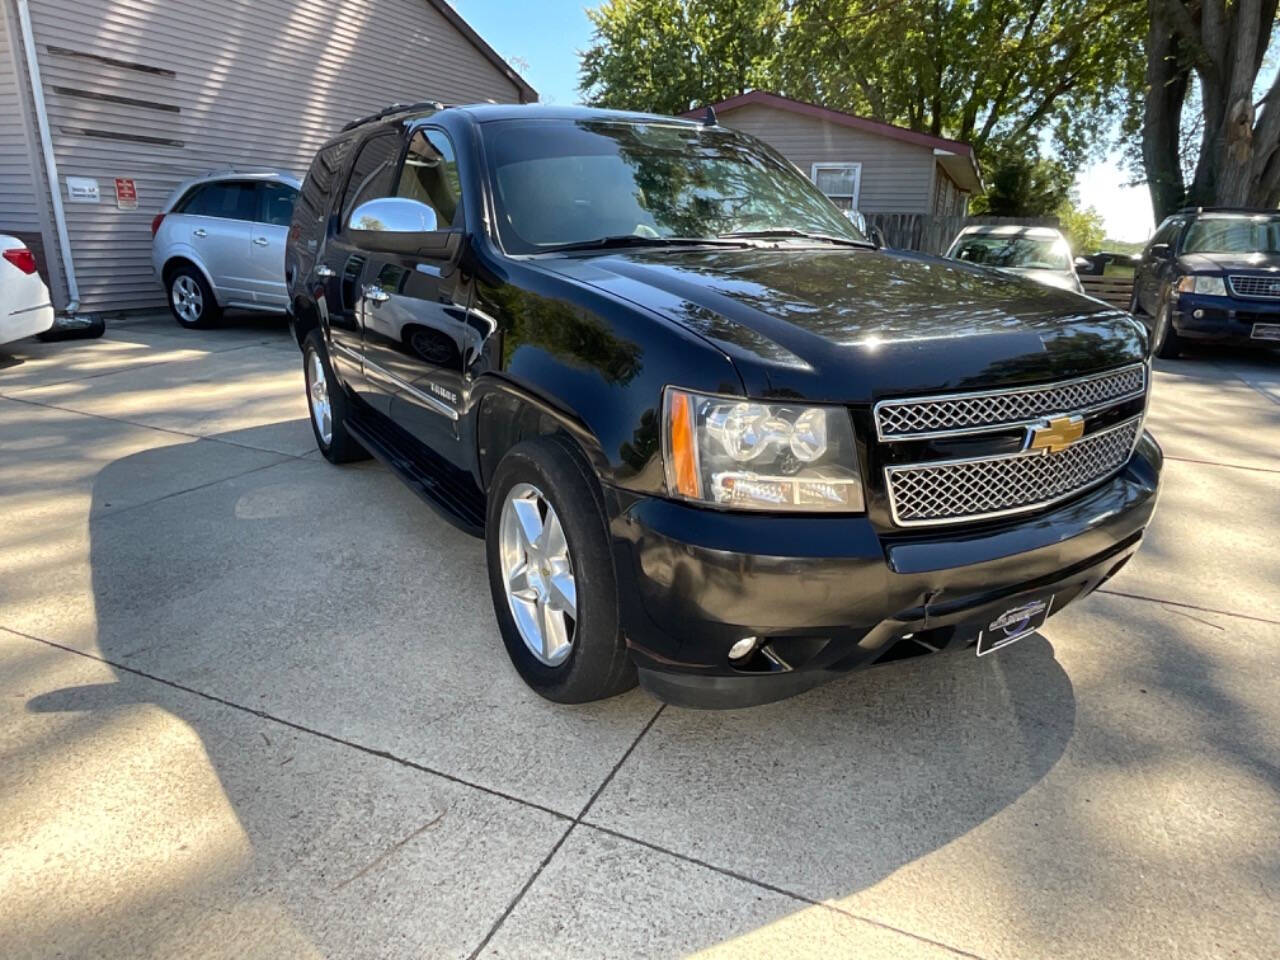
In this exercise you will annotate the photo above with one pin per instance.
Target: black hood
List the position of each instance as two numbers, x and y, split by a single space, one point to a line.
1233 262
856 325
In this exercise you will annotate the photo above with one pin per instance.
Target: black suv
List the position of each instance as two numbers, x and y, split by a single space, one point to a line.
1211 275
714 439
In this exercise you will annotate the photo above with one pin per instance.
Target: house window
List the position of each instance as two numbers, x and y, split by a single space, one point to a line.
841 182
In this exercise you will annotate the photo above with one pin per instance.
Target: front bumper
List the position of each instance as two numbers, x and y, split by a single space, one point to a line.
1222 319
830 594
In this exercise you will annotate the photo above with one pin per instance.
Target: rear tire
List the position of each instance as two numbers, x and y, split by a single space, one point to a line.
551 574
191 299
327 404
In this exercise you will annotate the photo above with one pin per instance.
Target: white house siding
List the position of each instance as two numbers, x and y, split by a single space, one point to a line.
158 91
897 177
19 203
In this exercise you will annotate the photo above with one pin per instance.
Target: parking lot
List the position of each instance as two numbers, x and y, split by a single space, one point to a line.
256 705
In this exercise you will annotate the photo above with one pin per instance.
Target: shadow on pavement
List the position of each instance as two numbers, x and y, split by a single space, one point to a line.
260 589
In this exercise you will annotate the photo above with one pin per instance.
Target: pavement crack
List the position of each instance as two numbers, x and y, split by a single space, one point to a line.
292 725
781 891
1188 606
1218 463
528 884
389 851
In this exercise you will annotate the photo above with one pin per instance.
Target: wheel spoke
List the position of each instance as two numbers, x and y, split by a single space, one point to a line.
555 633
553 546
529 519
564 592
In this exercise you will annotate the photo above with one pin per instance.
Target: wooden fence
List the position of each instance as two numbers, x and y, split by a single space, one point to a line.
1115 290
930 234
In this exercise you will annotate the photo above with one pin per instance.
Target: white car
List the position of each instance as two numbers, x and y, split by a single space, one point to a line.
219 242
25 306
1040 253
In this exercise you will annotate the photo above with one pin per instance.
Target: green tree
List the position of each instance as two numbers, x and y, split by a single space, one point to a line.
666 56
1022 184
1082 226
995 73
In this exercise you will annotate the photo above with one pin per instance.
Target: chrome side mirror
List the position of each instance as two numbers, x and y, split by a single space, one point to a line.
393 215
403 226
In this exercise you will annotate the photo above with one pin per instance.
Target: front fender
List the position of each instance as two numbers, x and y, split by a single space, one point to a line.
557 355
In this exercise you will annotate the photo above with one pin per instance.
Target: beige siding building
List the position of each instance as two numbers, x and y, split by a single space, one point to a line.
861 164
152 92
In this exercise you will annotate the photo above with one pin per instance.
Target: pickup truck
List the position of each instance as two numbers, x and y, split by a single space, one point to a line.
715 440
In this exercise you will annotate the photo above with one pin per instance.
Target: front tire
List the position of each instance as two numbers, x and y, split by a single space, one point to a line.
1168 345
551 574
327 404
191 299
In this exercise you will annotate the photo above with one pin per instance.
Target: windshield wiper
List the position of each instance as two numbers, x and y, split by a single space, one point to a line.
783 233
617 240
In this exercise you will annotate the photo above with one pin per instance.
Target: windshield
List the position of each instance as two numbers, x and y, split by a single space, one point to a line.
560 182
1243 234
1013 250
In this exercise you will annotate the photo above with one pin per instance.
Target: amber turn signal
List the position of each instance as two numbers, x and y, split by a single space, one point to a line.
682 463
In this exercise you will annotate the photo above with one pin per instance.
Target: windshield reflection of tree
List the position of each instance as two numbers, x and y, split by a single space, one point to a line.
697 184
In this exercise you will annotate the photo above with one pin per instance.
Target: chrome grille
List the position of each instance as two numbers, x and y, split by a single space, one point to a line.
1261 287
958 490
994 410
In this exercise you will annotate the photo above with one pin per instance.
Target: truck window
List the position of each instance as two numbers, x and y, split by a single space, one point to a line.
430 175
372 175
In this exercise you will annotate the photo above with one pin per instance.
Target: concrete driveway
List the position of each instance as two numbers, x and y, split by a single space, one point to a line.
254 705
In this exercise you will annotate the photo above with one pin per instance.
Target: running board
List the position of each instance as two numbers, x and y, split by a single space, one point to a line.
448 490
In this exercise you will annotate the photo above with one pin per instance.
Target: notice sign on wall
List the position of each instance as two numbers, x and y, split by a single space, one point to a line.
126 194
82 190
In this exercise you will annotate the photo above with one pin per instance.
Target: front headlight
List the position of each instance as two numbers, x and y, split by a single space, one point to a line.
1213 286
747 455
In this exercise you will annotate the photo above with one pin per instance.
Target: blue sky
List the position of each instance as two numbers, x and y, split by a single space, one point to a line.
542 39
544 36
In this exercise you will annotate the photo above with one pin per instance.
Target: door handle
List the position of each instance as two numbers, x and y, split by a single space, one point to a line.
261 241
325 272
202 232
375 293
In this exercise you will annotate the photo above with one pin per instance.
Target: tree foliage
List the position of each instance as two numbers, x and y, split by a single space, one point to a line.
1022 184
994 73
665 56
1222 45
1082 226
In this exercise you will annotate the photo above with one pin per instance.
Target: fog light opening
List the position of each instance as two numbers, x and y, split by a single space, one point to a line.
1198 314
743 648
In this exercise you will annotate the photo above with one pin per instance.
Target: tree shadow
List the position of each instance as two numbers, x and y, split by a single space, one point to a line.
830 792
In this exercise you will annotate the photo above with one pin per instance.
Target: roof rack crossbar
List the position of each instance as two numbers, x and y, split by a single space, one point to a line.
391 111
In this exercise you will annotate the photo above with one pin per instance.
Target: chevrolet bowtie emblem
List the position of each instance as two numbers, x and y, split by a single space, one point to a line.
1055 435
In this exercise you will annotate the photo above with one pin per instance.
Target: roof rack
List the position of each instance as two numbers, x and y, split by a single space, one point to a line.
1261 211
391 111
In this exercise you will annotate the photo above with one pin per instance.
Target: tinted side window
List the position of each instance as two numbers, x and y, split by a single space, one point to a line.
1165 232
430 175
373 174
226 199
275 203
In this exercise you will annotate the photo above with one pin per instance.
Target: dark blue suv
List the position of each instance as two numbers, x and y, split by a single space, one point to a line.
1211 275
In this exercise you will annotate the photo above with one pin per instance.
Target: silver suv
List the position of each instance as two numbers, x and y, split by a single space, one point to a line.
219 242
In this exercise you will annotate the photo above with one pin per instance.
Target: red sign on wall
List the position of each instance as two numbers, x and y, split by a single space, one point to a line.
126 194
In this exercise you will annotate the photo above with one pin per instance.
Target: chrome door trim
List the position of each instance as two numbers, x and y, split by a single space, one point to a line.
391 379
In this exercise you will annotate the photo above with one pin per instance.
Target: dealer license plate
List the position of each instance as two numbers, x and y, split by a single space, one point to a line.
1020 620
1266 331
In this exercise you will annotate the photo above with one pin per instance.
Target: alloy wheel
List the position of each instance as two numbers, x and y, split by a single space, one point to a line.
188 300
538 574
318 394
